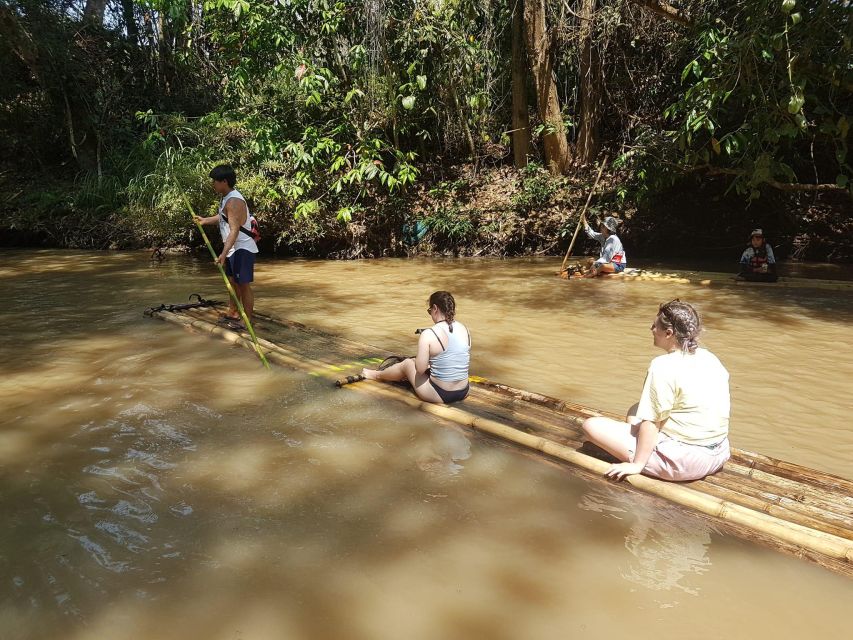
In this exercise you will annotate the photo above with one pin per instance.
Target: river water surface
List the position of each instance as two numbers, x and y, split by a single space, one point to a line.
158 484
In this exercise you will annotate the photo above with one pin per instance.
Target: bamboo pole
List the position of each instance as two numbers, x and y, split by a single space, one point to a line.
751 464
771 526
583 215
231 291
795 481
771 502
813 501
796 534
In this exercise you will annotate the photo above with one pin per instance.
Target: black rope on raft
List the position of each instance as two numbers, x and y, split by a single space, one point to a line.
348 380
199 303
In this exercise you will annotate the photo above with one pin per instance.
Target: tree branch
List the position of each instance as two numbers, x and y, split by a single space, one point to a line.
665 10
782 186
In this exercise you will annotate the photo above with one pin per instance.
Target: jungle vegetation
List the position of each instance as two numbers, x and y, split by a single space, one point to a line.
362 126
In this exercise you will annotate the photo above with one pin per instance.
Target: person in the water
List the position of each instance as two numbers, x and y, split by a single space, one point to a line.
757 263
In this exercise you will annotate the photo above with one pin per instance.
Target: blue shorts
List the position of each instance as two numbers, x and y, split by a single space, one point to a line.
618 267
241 266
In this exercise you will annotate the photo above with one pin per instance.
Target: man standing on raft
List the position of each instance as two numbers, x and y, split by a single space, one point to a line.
239 247
612 256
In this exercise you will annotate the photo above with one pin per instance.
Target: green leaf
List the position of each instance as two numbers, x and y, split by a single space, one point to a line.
796 18
795 103
788 5
422 82
841 180
409 102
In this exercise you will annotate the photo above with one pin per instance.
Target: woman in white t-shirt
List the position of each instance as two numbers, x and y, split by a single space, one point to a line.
681 424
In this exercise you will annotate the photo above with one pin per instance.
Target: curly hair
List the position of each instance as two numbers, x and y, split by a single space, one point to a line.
683 320
446 304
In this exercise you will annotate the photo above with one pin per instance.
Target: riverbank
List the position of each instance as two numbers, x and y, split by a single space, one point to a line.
459 210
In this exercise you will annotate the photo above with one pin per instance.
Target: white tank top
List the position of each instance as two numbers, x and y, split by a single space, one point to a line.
243 241
452 363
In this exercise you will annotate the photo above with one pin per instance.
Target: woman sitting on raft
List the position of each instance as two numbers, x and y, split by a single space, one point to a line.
680 430
439 373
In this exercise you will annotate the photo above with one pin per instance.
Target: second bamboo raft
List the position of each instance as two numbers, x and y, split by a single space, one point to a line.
797 510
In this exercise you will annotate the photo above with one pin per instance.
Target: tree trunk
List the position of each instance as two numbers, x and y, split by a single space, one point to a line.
94 11
129 18
164 53
20 42
590 80
557 155
520 120
463 122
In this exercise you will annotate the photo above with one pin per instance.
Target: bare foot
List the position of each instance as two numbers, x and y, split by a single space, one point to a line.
370 374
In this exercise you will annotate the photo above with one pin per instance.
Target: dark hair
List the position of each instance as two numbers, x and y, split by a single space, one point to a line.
446 304
683 320
224 172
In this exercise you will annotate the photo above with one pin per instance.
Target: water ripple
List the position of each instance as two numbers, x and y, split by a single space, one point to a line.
99 554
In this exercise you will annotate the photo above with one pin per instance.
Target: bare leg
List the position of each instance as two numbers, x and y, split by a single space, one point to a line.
599 269
232 306
247 298
405 370
611 435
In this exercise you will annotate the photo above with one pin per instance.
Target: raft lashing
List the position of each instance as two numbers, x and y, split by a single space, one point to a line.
781 505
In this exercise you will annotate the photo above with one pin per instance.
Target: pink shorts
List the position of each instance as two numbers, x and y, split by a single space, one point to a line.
675 460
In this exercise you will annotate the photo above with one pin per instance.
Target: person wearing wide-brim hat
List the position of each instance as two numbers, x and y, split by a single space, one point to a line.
612 257
757 263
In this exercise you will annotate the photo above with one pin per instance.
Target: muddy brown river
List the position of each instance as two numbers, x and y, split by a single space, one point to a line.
156 484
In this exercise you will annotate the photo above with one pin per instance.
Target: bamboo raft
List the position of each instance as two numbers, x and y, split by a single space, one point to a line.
714 279
785 506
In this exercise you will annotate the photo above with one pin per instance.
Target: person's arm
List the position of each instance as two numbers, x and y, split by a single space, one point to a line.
422 359
592 234
207 220
647 438
236 211
656 401
771 260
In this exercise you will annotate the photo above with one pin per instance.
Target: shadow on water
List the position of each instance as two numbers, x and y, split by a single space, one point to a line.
190 522
199 519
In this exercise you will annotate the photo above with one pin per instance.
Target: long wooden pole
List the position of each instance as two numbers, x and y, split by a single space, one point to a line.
231 291
583 215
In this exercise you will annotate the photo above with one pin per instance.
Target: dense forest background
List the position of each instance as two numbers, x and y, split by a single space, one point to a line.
387 127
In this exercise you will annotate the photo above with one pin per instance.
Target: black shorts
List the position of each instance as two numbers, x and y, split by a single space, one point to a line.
241 266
